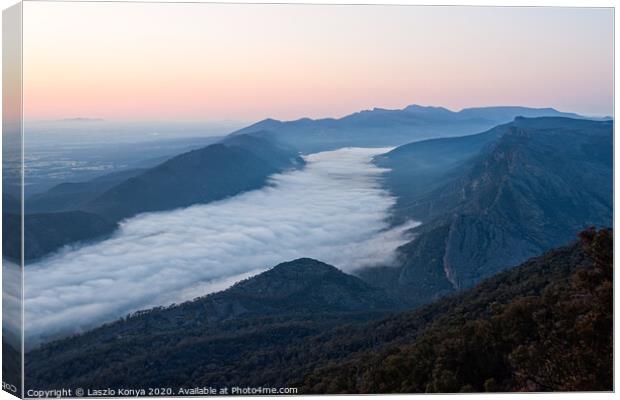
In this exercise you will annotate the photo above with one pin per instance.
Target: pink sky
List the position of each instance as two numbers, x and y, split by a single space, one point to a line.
204 62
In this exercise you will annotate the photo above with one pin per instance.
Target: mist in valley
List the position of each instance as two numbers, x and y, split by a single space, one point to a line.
334 210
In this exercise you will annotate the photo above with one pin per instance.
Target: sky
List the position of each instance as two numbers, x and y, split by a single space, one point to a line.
231 62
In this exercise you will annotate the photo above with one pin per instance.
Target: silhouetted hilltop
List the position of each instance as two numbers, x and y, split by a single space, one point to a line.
200 176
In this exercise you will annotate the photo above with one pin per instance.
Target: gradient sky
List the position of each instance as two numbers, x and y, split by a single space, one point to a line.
202 62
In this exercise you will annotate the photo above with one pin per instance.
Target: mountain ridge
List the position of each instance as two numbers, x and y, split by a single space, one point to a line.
214 172
524 187
383 127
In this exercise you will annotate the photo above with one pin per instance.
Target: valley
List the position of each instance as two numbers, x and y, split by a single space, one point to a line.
334 209
283 246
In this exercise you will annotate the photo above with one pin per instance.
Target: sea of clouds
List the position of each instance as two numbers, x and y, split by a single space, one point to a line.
334 210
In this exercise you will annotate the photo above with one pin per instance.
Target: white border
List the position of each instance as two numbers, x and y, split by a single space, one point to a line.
527 3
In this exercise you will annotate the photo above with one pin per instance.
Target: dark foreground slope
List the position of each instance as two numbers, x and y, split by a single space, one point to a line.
80 212
497 198
545 325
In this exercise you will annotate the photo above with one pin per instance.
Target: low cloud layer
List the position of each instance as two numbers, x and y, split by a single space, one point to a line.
333 210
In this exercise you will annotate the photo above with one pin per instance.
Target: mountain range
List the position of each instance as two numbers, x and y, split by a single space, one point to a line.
382 128
495 199
240 162
494 188
519 188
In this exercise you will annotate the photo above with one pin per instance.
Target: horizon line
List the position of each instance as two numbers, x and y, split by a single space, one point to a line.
96 119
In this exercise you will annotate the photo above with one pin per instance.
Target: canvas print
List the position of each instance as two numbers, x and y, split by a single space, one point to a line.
279 199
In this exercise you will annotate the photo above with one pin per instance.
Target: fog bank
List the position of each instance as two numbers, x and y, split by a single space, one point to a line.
333 210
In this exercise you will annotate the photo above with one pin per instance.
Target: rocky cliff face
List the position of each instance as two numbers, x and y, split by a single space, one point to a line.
529 189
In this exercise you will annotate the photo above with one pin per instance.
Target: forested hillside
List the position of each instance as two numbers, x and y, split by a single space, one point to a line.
545 325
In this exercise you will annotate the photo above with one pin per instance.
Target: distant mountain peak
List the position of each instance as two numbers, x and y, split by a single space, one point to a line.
265 124
270 121
504 108
418 107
